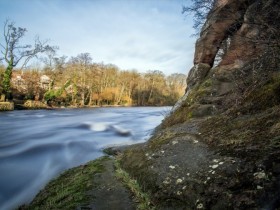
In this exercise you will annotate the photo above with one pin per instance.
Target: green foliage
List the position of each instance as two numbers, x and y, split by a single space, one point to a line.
69 190
55 95
7 80
142 198
87 84
260 95
50 95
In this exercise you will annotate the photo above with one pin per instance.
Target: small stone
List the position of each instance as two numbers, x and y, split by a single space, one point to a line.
183 188
147 154
214 166
213 172
172 167
259 175
215 161
162 151
188 174
174 142
178 181
259 187
221 163
199 206
167 180
179 193
195 141
208 178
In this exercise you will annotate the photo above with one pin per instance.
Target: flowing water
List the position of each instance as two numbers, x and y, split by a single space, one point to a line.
37 145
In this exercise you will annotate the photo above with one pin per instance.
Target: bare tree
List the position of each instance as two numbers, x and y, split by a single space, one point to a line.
199 9
14 53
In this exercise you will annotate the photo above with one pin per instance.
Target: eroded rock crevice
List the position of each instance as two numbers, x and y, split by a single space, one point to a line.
242 25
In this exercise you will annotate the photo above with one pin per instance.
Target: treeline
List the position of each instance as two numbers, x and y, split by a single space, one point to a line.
80 82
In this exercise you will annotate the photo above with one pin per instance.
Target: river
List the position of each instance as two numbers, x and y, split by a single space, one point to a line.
37 145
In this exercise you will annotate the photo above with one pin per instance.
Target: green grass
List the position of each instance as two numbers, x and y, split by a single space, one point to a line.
142 198
69 190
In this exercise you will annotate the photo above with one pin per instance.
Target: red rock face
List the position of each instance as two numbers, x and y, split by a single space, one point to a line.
228 18
221 21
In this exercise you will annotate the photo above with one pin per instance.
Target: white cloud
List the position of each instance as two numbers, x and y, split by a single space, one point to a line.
144 35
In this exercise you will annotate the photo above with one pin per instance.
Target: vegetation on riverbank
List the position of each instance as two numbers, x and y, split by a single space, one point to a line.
142 198
80 187
69 190
72 83
6 106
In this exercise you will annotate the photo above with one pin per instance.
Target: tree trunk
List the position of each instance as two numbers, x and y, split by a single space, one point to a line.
7 80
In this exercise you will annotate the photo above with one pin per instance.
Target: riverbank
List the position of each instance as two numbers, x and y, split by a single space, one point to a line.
183 167
99 184
34 105
201 158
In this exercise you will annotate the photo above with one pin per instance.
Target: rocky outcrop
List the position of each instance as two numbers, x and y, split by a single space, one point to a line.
243 26
219 148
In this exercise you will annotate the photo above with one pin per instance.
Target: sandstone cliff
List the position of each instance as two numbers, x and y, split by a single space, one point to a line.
220 147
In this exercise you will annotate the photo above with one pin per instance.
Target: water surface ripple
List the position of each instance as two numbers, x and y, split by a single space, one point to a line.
37 145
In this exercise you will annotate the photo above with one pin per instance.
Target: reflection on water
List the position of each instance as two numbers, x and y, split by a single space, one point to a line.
37 145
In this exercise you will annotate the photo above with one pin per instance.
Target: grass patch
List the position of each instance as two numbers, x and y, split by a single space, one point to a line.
187 108
6 106
69 190
142 198
262 97
160 139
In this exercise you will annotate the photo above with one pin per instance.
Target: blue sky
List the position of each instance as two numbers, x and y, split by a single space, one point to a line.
132 34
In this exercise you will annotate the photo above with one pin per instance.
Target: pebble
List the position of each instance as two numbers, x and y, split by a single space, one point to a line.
179 193
214 166
259 187
167 180
174 142
195 141
259 175
172 167
199 206
178 181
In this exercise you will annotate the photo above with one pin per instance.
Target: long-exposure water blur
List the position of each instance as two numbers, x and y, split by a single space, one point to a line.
37 145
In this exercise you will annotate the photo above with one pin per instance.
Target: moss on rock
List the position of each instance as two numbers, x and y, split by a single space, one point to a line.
69 190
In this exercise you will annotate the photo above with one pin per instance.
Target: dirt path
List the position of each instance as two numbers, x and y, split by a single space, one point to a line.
110 192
